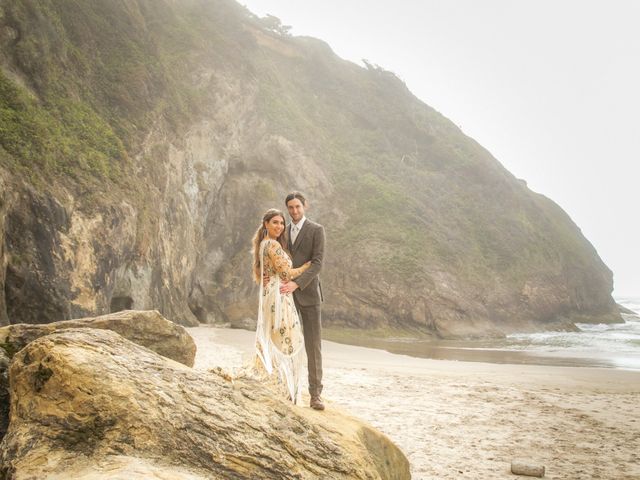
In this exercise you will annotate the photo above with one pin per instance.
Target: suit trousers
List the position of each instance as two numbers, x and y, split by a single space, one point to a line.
312 331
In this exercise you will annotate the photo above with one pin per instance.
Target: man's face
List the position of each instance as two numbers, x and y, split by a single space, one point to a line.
296 209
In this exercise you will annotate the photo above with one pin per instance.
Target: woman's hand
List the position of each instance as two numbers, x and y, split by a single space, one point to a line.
288 287
299 271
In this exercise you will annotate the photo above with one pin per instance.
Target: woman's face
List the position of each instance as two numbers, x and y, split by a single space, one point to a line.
275 226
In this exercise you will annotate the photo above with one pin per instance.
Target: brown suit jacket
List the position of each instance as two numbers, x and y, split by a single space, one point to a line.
309 246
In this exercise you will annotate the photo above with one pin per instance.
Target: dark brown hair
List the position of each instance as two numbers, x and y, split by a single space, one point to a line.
298 195
260 235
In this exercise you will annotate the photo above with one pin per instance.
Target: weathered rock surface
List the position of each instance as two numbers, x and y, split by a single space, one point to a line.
625 310
4 392
146 328
89 404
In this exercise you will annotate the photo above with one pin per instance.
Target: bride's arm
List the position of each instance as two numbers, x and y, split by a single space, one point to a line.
280 262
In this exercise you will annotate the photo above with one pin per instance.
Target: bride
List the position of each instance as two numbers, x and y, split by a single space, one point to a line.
279 339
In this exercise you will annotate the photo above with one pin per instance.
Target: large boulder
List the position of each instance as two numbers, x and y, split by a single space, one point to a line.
146 328
88 403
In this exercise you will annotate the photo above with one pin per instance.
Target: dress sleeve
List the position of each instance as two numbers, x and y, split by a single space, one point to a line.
281 263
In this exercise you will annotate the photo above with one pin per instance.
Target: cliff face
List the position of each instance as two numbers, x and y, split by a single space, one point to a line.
141 141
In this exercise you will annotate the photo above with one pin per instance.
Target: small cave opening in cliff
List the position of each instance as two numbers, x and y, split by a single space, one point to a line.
199 312
4 316
13 287
120 303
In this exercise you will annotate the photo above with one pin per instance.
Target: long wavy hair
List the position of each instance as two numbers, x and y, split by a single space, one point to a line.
260 235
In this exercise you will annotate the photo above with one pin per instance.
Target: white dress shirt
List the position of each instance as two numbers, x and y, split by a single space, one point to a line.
295 229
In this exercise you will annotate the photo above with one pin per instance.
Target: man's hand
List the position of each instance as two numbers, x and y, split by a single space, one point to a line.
288 287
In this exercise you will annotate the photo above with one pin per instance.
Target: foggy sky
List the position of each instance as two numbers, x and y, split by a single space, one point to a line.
550 88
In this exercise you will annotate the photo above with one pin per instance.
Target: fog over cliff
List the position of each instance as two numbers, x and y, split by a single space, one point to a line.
141 141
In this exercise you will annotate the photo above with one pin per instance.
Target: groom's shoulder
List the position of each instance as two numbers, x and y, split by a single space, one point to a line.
315 225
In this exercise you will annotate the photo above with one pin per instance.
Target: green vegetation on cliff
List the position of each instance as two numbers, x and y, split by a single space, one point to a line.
64 138
216 113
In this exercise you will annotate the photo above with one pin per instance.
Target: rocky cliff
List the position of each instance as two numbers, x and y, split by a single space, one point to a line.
140 142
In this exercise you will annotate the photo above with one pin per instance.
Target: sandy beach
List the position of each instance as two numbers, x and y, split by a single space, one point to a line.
457 419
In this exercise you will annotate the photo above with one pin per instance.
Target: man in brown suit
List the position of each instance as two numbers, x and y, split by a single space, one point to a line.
306 243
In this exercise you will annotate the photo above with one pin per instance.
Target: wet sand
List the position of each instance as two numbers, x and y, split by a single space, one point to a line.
456 419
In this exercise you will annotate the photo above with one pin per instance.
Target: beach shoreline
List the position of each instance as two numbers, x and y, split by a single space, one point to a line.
594 345
456 419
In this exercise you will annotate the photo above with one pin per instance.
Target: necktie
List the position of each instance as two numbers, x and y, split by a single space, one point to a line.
294 233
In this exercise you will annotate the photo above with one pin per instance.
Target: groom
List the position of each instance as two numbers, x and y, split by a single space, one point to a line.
306 243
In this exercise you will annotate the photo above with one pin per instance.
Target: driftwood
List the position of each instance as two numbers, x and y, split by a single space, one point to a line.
523 466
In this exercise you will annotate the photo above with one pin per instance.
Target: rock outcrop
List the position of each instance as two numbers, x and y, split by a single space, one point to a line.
89 404
143 140
146 328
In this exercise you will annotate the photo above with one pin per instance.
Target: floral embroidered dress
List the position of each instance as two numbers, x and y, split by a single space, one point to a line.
279 339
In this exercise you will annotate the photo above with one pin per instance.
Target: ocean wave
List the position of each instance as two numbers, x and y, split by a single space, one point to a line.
596 339
632 303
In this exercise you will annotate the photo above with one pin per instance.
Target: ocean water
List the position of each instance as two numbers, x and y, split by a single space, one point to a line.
595 345
632 303
606 345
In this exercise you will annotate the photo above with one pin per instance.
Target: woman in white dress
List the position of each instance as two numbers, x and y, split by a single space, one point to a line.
279 339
